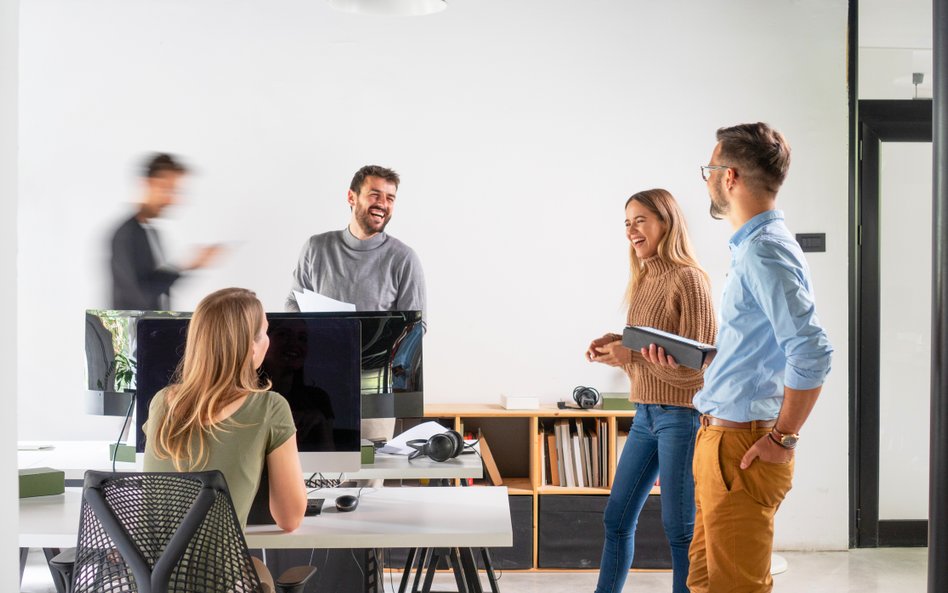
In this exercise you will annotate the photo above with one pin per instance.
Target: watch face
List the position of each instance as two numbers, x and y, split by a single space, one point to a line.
789 440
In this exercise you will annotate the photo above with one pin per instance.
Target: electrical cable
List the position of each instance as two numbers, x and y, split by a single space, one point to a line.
322 482
391 579
358 564
118 441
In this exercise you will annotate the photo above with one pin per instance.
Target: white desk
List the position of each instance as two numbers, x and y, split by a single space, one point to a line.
386 518
75 457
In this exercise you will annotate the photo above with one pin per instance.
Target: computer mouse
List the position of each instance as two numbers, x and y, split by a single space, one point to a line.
346 503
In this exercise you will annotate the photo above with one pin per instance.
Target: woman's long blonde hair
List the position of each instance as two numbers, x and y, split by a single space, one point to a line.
674 246
217 370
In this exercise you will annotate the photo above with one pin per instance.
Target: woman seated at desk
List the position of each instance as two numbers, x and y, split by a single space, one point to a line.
218 415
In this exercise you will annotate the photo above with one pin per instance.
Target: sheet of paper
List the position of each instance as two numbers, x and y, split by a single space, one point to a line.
313 302
424 430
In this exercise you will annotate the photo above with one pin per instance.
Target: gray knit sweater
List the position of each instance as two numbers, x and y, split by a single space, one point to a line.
378 274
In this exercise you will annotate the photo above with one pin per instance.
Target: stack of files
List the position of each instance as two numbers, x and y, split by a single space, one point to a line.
575 453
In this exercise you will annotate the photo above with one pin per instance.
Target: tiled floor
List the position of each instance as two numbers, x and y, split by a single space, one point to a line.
884 570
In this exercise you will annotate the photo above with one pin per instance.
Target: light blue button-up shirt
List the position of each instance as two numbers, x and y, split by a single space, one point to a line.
769 335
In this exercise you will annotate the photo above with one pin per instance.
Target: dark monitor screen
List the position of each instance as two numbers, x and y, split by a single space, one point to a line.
392 371
390 344
313 362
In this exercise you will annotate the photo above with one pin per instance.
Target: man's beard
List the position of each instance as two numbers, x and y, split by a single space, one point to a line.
369 224
719 206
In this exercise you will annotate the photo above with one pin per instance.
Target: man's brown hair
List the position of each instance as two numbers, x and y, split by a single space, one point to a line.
758 152
159 163
372 171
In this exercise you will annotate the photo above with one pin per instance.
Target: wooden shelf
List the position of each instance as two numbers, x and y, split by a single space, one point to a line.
547 489
518 485
498 411
513 485
516 449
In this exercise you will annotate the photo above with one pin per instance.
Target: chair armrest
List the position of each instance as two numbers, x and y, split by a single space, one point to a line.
64 561
294 579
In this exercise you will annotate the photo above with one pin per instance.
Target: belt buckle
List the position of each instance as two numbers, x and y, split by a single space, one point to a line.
705 420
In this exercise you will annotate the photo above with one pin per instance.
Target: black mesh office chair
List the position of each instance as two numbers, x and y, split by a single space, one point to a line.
163 533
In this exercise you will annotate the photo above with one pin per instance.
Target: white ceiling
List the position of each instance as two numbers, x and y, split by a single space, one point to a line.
895 23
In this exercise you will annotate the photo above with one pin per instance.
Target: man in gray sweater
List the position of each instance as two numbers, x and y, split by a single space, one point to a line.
362 264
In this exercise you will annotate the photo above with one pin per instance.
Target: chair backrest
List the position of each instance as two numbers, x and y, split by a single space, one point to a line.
160 533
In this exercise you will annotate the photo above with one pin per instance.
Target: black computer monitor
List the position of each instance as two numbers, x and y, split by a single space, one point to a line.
392 363
313 361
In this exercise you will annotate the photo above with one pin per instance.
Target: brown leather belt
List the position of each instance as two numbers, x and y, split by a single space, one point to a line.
707 420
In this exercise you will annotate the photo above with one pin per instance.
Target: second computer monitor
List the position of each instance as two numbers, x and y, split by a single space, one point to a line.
313 361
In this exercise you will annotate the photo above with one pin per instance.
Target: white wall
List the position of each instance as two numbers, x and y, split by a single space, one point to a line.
9 26
519 129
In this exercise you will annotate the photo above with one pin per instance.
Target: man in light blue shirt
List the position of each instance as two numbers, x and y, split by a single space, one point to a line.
772 358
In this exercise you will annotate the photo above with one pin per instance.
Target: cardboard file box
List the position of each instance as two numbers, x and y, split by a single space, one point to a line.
41 481
617 401
368 452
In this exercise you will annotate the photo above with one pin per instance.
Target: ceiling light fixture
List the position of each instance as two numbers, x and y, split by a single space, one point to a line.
390 7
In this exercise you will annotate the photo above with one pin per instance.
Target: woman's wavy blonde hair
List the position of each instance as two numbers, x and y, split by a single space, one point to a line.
674 246
217 370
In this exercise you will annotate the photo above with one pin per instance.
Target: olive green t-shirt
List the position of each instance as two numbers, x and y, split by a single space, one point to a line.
237 446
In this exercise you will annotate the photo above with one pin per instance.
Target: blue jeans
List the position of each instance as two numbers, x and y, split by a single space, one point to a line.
661 445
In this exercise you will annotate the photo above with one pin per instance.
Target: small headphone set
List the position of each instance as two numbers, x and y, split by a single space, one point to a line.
586 398
439 447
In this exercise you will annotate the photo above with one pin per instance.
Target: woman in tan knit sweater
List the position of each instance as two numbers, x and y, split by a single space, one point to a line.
669 291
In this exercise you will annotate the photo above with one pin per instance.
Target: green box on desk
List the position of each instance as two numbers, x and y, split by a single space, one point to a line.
616 401
41 481
125 453
368 452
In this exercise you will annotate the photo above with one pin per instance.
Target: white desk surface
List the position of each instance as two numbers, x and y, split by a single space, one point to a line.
75 457
385 518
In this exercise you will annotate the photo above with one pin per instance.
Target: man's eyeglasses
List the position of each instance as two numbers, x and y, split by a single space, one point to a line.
706 170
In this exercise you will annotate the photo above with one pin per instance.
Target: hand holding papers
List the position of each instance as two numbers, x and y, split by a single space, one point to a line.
313 302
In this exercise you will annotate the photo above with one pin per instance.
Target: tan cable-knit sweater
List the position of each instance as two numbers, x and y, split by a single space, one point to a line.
675 299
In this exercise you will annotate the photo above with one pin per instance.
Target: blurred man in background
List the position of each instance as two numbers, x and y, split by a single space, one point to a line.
141 276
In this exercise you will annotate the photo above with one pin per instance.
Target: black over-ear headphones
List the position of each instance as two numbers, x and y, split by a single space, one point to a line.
439 447
586 397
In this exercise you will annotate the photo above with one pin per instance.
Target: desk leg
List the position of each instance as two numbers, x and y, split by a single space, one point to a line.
456 565
422 565
24 552
470 570
432 566
409 564
489 567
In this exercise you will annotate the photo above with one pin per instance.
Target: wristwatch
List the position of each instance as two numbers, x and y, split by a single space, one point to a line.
787 441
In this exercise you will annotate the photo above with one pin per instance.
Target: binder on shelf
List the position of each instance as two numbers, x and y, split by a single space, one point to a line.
554 459
584 451
541 449
578 461
566 448
689 353
604 451
595 450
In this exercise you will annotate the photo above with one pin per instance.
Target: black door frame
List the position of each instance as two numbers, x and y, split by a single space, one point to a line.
878 121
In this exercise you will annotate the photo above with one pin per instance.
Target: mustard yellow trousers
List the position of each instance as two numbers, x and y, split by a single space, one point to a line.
734 513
